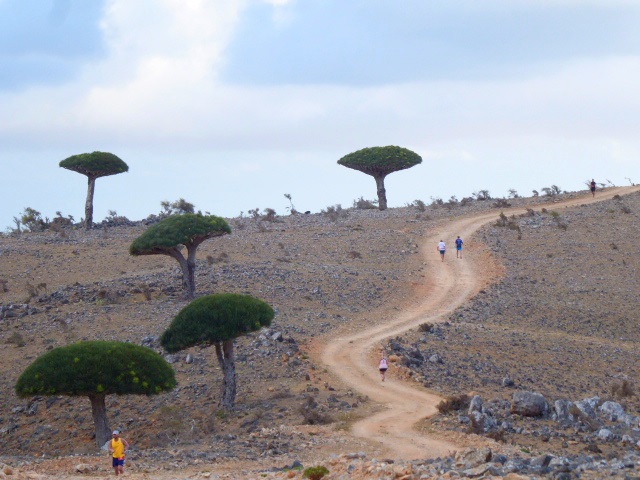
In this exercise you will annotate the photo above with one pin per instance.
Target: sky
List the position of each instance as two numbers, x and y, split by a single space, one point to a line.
231 104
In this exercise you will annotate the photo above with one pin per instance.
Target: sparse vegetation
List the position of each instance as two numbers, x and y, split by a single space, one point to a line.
623 389
315 473
482 195
552 191
419 205
425 327
501 203
335 212
454 403
177 207
291 208
363 204
16 339
312 415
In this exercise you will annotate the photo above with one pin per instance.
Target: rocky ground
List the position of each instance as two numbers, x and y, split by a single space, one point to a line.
560 324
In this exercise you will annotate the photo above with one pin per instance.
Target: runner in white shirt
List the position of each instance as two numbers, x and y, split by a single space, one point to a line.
442 248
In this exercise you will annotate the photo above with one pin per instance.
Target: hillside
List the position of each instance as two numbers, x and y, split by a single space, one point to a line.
320 272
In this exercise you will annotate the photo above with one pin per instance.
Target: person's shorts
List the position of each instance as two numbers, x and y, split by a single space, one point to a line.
459 248
442 252
593 189
118 462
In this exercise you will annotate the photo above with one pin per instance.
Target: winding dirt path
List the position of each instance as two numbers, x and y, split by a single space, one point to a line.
352 357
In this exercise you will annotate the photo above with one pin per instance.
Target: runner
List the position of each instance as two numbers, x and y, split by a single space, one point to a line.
459 243
118 447
442 248
384 365
592 187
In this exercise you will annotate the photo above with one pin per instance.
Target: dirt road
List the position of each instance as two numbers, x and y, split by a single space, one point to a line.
353 357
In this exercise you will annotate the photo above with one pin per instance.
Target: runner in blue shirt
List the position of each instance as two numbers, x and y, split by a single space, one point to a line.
459 243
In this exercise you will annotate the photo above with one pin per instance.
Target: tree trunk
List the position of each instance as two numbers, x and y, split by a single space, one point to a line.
100 420
227 360
191 269
188 273
382 193
88 206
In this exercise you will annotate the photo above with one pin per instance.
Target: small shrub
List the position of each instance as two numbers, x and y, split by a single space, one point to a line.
32 220
419 205
454 403
315 473
178 207
311 415
613 246
17 339
4 286
335 212
269 215
535 193
625 209
482 195
513 193
353 254
291 208
452 202
425 327
498 435
436 202
146 291
501 203
362 204
466 201
623 389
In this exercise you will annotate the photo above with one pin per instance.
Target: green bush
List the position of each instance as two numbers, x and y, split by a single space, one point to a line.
315 473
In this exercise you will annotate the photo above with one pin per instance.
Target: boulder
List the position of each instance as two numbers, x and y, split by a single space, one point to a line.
562 410
612 411
529 404
588 406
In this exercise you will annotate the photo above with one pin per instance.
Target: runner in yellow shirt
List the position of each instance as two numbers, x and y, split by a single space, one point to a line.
118 448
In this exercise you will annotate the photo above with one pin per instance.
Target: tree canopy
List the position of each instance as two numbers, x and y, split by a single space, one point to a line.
186 229
379 162
95 164
216 318
167 237
97 367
